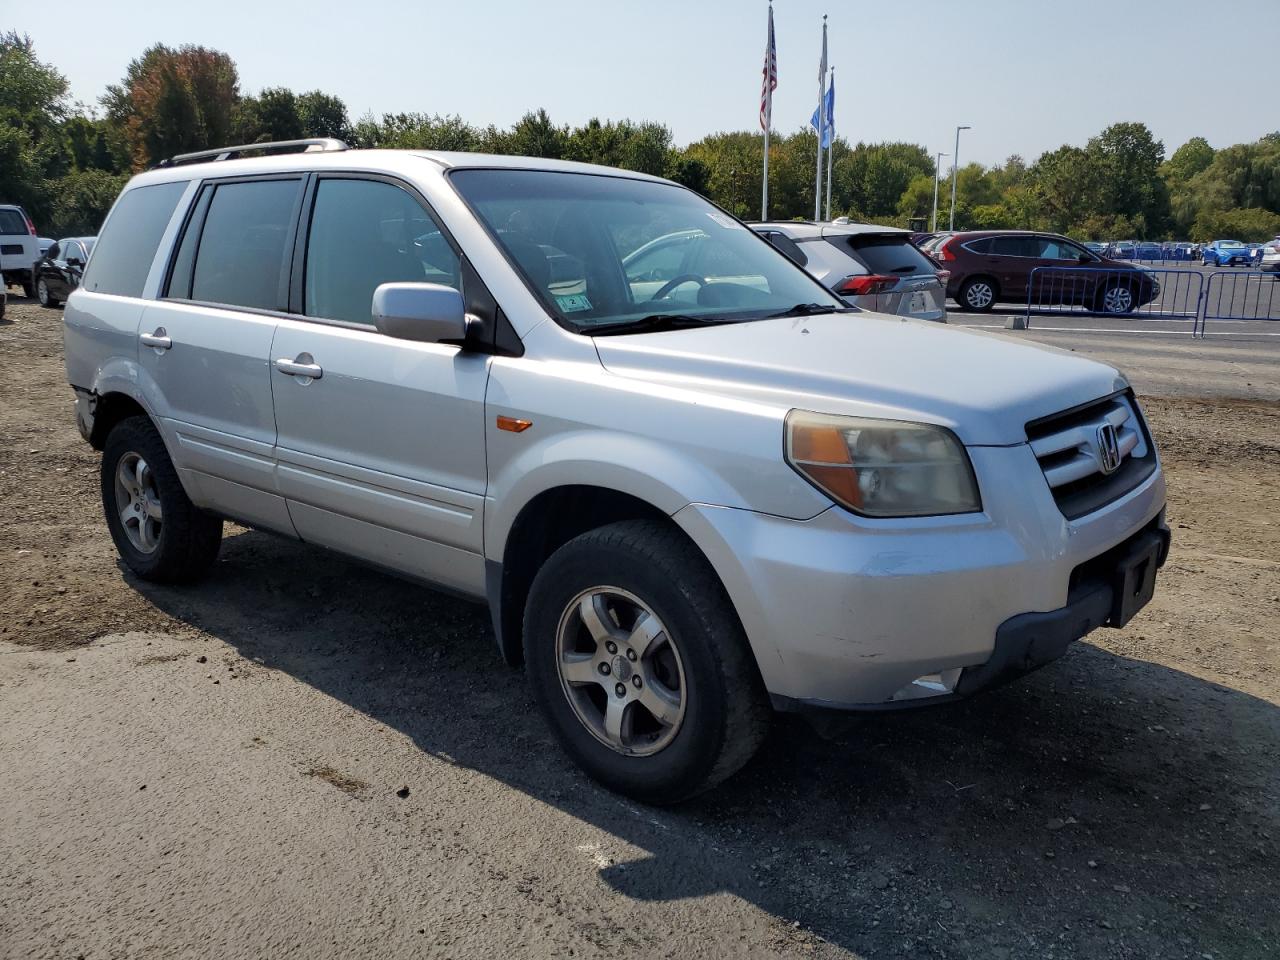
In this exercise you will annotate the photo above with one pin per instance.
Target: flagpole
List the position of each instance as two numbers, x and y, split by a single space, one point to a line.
831 150
766 112
822 90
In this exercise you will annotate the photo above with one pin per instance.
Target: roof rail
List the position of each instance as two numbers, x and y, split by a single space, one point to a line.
310 145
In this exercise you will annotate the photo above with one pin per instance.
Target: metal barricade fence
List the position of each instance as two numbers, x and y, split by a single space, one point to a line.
1146 292
1241 295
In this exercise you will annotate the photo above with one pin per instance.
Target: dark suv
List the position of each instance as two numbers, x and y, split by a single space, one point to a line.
991 266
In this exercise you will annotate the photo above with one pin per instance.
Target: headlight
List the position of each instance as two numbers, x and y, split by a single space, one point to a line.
882 468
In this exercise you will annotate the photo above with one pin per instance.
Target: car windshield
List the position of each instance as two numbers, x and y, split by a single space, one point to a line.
613 254
1233 244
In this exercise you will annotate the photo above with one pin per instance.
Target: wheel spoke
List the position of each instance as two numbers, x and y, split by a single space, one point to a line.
614 715
140 474
148 533
126 477
579 668
128 515
154 510
595 617
647 629
665 709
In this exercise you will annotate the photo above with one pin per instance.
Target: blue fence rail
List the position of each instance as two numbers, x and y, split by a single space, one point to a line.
1164 293
1241 295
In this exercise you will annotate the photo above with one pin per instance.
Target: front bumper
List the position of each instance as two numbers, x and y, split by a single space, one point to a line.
852 613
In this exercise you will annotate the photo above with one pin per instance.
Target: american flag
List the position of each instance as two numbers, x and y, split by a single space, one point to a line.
770 78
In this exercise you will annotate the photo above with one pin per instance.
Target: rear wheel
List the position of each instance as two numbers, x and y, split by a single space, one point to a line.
638 661
977 294
28 286
160 534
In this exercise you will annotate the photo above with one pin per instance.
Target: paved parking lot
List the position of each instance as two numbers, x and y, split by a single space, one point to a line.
303 758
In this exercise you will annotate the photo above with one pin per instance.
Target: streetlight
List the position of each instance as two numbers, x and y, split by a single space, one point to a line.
937 166
955 170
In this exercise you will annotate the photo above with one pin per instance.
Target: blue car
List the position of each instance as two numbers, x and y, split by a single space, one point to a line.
1148 251
1225 253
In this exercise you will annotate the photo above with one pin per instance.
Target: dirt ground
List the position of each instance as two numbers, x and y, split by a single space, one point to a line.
300 757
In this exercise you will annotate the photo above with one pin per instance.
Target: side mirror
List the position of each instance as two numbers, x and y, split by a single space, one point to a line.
426 312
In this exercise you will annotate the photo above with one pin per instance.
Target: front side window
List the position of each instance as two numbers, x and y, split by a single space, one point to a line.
130 238
241 253
1051 248
365 233
602 251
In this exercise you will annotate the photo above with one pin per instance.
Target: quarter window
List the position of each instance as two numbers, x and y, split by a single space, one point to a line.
365 233
242 246
131 237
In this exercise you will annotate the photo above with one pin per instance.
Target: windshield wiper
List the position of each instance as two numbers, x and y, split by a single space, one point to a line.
808 310
653 323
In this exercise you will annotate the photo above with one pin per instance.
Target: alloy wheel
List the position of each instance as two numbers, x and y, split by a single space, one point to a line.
979 295
138 503
1117 300
621 671
42 293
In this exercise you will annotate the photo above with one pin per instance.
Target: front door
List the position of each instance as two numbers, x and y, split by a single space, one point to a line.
380 449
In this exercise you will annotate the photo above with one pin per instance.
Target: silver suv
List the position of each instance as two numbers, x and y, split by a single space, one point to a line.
686 499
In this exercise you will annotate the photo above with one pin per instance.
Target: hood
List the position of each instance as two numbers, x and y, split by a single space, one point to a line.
983 386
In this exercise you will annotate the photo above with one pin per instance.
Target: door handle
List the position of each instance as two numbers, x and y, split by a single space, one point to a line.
160 339
301 366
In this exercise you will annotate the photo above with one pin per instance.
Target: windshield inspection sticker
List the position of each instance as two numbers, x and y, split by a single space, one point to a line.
724 221
573 303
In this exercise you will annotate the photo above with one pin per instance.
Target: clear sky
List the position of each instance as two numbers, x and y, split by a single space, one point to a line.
1028 75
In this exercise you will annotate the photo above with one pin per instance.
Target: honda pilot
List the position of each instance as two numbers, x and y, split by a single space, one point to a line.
687 500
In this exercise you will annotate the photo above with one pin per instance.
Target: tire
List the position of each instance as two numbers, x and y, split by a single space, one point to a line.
175 543
977 295
1117 299
28 287
43 295
720 711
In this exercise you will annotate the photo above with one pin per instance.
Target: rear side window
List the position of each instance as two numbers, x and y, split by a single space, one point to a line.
241 254
130 238
365 233
1015 247
892 254
11 222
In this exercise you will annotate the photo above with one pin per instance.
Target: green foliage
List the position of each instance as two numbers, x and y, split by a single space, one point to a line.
65 165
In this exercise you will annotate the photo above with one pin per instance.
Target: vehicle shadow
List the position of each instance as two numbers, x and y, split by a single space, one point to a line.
1101 803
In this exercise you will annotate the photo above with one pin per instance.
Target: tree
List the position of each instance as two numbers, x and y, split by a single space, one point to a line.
536 136
173 101
1188 160
1128 162
1066 183
323 115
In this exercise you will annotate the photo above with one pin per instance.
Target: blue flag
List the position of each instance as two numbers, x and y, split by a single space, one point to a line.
826 125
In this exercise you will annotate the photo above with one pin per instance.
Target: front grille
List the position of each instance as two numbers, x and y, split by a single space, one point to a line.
1071 451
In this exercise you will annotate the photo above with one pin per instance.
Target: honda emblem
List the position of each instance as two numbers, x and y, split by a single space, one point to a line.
1108 449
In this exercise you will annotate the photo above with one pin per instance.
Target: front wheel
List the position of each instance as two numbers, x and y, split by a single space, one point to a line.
638 662
43 295
160 534
28 286
1116 299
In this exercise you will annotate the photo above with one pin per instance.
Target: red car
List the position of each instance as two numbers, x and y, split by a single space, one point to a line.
994 266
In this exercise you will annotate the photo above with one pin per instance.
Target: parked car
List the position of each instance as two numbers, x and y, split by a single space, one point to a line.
684 504
870 267
19 248
1094 247
1225 253
1147 250
58 272
1122 250
995 266
1270 261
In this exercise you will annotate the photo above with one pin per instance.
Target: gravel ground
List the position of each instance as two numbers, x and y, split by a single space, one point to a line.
300 757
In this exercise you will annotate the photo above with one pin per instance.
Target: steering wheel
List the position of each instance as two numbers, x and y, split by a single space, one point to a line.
665 290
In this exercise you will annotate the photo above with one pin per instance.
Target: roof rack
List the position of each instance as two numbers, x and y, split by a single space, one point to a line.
311 145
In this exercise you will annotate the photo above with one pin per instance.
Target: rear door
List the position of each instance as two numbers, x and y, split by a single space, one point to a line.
381 450
1013 257
207 342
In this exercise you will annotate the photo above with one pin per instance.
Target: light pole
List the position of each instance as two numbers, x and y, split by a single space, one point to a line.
937 167
955 171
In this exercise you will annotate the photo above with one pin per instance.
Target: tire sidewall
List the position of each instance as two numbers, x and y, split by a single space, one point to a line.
678 768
